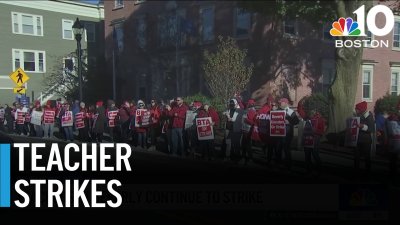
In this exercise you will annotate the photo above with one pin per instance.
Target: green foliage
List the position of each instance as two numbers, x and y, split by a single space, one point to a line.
196 97
387 103
317 102
216 103
226 70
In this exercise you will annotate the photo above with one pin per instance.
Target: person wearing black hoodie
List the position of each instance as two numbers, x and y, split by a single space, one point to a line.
99 122
9 119
364 143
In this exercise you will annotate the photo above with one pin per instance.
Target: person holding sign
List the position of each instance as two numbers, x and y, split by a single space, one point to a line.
48 120
364 143
20 114
67 121
142 118
81 122
291 120
207 146
392 140
125 119
314 128
99 119
112 119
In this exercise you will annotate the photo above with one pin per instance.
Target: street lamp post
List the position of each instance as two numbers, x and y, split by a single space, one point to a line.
78 29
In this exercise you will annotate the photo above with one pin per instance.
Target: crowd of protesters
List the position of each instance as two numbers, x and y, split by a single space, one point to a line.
165 126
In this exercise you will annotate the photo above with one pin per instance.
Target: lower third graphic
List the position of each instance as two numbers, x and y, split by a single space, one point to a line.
4 175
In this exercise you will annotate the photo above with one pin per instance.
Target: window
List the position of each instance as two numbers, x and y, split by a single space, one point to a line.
29 60
326 28
118 35
167 30
90 32
290 27
396 35
207 22
367 79
243 22
69 64
27 24
118 4
395 79
67 29
141 32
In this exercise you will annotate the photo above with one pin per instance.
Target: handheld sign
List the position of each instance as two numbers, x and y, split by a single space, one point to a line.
308 135
111 118
204 128
79 120
49 116
190 116
20 117
67 119
142 118
2 114
352 131
277 124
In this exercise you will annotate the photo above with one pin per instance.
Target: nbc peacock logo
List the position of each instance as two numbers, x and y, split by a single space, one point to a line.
348 27
345 27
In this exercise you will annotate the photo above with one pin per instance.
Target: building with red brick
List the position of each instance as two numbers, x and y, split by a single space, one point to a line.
158 50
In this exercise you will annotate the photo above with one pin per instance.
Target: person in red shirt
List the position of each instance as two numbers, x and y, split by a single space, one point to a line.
178 116
207 146
155 114
124 119
316 131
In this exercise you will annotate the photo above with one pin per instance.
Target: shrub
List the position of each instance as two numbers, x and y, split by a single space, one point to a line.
196 97
317 102
387 103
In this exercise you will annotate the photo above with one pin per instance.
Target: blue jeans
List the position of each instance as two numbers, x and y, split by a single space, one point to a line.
142 139
69 135
177 141
39 130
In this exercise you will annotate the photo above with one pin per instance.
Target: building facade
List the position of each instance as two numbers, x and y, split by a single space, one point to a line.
158 51
37 36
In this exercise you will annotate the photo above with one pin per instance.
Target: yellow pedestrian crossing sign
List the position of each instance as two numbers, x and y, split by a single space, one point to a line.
19 90
19 77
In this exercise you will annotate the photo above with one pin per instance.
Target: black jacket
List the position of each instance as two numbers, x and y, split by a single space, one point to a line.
293 120
365 133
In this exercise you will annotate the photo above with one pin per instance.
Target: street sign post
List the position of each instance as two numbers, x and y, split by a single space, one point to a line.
19 77
19 90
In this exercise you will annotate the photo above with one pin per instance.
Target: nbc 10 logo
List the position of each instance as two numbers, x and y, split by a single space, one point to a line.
349 28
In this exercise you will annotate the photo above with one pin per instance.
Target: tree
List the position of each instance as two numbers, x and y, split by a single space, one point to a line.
348 60
63 80
226 70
